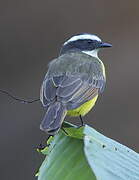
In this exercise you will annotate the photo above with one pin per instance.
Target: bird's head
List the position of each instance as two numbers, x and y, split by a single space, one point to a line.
87 43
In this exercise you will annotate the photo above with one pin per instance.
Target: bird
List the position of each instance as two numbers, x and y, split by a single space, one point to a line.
73 81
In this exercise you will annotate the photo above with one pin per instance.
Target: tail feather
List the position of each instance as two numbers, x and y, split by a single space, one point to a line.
53 118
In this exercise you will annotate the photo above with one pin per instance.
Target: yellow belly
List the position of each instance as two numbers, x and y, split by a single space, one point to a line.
83 109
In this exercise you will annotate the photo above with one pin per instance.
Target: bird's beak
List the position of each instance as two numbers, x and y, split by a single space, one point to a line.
105 45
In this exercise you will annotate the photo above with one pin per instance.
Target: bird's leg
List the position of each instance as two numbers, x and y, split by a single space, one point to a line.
64 130
82 122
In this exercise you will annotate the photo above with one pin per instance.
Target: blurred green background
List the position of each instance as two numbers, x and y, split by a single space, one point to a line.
31 34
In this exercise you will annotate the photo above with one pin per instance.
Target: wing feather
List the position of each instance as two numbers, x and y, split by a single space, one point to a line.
70 87
49 90
72 80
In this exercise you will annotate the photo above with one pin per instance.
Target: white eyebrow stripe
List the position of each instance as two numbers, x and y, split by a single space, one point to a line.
83 36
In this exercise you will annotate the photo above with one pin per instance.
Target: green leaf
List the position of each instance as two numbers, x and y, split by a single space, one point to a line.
108 158
85 154
66 161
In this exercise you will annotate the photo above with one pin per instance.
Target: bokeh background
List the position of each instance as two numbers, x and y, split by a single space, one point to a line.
31 33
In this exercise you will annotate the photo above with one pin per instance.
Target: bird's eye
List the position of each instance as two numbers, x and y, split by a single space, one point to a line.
89 41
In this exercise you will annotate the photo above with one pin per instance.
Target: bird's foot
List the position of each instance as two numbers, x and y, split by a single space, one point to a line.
64 131
82 125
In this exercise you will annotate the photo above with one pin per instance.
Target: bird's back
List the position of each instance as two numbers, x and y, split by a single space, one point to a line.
75 62
73 79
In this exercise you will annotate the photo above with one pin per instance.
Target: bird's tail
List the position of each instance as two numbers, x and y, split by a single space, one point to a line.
53 118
